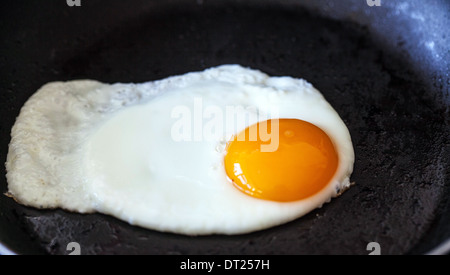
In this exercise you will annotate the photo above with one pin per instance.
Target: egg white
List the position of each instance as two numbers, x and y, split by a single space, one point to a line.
86 147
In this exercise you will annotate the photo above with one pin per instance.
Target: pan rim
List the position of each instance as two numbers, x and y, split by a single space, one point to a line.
441 249
4 250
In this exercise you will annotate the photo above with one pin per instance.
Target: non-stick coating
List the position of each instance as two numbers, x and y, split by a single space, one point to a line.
391 92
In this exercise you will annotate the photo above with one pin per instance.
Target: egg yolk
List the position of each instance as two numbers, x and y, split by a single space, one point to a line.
281 160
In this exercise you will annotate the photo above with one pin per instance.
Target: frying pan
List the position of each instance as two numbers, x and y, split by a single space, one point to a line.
385 69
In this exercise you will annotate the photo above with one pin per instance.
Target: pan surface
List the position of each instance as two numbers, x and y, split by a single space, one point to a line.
384 69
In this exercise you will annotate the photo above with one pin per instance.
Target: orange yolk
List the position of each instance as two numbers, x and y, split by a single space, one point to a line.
300 165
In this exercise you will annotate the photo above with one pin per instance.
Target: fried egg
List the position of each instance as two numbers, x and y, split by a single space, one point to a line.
229 150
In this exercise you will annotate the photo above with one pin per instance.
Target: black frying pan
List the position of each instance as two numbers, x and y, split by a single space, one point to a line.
384 69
